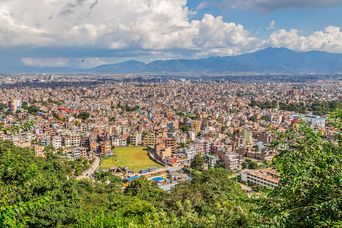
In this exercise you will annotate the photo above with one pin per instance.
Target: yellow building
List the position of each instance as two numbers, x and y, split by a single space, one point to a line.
197 126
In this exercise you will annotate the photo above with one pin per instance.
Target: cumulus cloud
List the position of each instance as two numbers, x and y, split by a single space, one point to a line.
214 36
328 40
116 25
140 29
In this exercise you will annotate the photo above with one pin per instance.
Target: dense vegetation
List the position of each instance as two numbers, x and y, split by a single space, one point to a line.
316 107
39 192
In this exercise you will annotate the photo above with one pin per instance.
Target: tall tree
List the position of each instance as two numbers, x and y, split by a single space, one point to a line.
310 190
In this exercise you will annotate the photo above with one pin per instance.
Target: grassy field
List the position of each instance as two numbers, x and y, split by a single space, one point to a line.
135 158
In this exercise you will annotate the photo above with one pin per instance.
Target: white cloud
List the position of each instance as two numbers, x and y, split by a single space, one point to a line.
117 24
328 40
214 36
45 62
152 29
272 25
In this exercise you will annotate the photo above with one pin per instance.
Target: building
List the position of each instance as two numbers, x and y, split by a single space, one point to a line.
79 152
57 142
39 151
85 142
190 152
106 149
119 141
135 139
14 105
72 141
232 161
196 125
171 142
149 140
212 160
266 177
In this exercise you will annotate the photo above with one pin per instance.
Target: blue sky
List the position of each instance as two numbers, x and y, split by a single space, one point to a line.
87 33
306 19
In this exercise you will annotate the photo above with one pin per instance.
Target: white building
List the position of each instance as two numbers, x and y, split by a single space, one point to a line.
118 141
72 141
56 142
232 161
266 177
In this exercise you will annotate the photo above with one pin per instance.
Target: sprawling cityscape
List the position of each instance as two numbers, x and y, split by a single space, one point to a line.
171 113
229 125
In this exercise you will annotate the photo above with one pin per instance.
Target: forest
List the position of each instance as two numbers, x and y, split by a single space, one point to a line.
317 107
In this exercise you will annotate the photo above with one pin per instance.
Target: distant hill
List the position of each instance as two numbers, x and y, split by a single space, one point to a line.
269 60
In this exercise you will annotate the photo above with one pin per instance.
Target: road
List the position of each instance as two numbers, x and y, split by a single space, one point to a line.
90 172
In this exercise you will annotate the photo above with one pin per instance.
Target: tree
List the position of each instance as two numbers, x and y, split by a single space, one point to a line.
249 164
83 115
34 191
33 109
212 199
253 118
15 129
144 188
2 107
197 162
310 189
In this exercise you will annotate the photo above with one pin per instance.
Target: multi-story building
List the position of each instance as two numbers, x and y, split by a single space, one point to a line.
39 151
212 160
197 125
119 141
106 149
170 142
72 141
14 105
57 142
85 142
232 161
149 140
135 139
79 152
266 177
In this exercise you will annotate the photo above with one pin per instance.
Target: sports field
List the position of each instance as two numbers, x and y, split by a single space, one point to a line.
135 158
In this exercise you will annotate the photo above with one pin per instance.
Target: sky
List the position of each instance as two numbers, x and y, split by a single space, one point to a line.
87 33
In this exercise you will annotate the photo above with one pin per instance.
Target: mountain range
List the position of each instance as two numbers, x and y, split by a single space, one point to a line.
269 60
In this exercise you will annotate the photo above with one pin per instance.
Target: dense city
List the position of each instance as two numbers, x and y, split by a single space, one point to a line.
161 129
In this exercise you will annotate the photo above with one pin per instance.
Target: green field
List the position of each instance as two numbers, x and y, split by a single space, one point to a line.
135 158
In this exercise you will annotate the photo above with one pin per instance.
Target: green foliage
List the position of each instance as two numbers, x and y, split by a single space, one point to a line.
144 189
106 176
38 192
3 107
83 115
211 199
15 129
197 163
316 107
249 164
310 191
79 166
24 105
253 118
33 109
185 128
34 191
